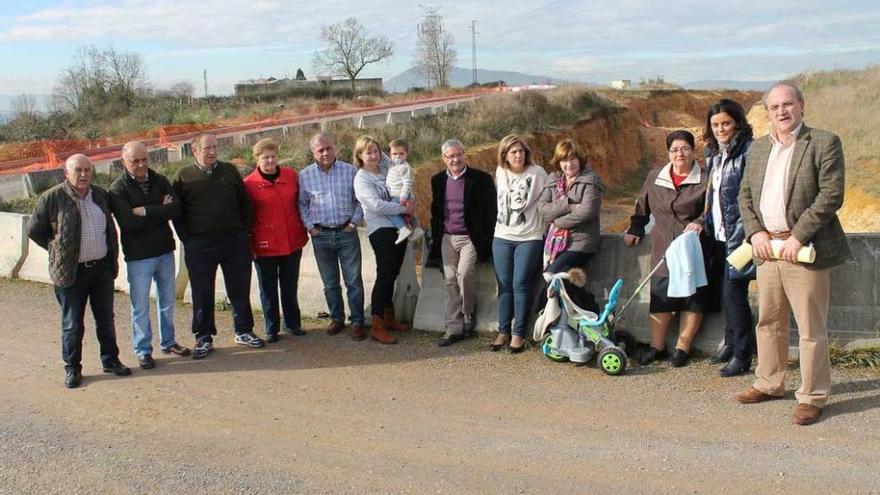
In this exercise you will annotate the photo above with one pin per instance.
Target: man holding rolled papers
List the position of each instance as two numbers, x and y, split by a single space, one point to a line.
789 198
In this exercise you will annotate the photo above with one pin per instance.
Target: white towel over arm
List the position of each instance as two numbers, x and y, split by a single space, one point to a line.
684 259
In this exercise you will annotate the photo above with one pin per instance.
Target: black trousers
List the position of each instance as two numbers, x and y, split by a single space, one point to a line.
93 286
273 271
232 253
389 258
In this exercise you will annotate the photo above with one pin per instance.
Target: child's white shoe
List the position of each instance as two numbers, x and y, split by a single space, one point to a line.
402 234
417 234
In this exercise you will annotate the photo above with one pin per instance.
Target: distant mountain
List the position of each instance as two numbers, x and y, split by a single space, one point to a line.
722 84
460 77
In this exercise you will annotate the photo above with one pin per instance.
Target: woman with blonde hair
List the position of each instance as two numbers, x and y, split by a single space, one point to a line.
378 204
516 248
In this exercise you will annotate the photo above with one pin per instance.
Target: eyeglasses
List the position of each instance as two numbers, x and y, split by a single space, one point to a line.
453 156
684 149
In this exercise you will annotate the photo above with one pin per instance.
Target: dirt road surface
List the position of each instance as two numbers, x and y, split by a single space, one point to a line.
322 414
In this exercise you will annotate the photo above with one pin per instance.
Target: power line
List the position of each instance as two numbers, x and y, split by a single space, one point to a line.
474 49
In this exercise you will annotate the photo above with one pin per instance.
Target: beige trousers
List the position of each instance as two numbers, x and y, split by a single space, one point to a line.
783 289
460 280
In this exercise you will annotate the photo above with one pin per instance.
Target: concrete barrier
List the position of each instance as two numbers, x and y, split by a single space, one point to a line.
854 312
13 243
12 187
855 286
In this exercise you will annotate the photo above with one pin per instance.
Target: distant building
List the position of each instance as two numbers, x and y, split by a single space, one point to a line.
621 84
271 85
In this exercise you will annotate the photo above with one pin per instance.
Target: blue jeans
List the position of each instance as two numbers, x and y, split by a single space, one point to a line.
273 271
516 268
141 274
335 249
93 285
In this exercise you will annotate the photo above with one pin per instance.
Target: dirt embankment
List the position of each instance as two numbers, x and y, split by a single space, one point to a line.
620 146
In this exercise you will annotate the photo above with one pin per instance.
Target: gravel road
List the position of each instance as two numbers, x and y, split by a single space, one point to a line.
322 414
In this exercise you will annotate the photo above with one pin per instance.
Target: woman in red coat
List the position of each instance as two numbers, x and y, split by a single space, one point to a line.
277 238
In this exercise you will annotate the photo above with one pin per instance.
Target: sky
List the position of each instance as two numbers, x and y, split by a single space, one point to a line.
576 40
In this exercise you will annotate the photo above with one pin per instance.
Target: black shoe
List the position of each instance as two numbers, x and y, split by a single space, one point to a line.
271 338
450 339
722 355
73 378
146 362
735 367
679 358
299 332
497 347
117 368
516 350
651 355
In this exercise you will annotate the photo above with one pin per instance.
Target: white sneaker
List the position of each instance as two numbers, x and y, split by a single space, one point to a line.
417 234
402 234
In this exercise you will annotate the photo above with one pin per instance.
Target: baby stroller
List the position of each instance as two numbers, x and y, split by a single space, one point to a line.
569 333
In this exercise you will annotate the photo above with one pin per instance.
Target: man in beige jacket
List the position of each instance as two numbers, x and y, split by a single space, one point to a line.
791 191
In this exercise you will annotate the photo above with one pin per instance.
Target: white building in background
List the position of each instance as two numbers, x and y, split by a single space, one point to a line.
621 84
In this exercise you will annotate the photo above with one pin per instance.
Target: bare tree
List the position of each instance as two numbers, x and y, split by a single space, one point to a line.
24 106
101 81
434 54
350 49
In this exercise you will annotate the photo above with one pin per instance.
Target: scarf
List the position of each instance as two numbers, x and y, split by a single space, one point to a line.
557 239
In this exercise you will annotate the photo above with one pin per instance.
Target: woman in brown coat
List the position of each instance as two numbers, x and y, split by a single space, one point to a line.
675 194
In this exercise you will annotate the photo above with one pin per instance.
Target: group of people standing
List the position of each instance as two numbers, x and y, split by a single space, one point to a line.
530 223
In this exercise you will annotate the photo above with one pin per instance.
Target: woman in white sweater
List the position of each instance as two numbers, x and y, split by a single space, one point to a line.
518 243
372 192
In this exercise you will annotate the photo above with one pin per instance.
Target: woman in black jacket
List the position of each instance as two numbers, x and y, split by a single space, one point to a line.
728 136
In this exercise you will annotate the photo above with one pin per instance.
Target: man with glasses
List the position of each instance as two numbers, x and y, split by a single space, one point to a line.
331 213
143 203
463 211
790 194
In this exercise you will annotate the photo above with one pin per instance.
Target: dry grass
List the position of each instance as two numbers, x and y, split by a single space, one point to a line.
847 102
865 357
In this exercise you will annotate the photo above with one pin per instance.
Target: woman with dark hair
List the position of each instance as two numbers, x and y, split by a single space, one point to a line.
277 238
675 194
516 247
378 204
728 136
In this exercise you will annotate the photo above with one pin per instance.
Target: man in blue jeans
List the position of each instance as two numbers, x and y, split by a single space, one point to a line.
143 203
331 213
214 224
72 221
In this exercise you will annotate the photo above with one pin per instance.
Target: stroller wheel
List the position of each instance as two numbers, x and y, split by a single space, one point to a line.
547 349
612 361
625 341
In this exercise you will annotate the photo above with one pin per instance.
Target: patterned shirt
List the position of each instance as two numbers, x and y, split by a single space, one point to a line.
93 229
327 198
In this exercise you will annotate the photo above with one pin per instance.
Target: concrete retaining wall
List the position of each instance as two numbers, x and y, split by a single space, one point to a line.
854 312
13 243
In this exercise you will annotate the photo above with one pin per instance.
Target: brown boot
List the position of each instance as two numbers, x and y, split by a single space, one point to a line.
391 322
379 333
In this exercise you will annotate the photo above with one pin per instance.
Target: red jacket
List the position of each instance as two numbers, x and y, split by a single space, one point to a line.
278 229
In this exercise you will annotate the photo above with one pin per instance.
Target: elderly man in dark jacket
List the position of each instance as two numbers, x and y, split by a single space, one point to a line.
143 203
463 211
72 221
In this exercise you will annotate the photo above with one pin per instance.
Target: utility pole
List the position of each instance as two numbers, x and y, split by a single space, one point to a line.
474 48
205 77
